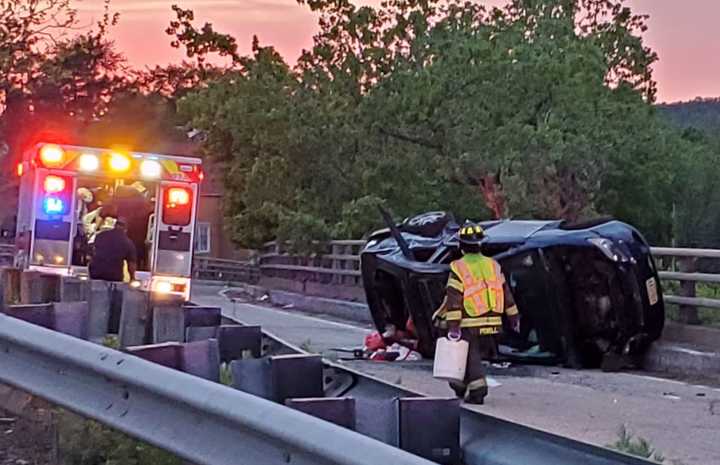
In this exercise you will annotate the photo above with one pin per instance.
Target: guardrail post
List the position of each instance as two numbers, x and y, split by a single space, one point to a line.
37 314
38 288
74 289
71 318
168 322
202 316
134 318
10 286
337 410
280 378
430 427
688 313
99 301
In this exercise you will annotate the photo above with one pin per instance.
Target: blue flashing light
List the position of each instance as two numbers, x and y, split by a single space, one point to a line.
53 206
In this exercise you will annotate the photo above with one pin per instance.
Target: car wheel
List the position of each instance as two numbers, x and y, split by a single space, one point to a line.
428 224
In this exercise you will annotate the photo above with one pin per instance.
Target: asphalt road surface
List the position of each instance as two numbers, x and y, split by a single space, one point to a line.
680 420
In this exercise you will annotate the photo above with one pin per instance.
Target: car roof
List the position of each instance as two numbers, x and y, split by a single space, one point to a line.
516 231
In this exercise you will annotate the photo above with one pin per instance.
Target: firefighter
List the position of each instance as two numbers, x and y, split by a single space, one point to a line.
477 296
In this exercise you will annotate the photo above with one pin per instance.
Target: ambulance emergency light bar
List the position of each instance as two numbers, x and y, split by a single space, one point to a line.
118 164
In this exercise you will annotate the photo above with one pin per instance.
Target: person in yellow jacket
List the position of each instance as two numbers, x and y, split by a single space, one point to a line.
477 297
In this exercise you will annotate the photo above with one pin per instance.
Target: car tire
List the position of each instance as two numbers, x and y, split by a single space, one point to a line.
430 224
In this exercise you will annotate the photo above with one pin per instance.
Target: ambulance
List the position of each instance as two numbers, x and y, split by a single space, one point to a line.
63 189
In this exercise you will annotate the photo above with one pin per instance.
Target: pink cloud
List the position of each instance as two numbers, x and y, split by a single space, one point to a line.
686 38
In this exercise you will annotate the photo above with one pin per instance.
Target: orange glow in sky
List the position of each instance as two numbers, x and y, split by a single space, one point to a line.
683 33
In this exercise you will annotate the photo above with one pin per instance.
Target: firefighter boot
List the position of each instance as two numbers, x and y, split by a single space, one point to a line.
476 392
458 388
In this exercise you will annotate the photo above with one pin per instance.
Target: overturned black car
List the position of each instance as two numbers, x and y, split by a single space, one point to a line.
588 294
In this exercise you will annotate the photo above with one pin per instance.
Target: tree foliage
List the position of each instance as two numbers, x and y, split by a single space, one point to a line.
539 109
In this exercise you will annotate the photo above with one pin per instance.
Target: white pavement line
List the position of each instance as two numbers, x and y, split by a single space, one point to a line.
303 316
674 381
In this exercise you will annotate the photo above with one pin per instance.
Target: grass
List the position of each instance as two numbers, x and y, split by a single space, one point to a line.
307 346
225 374
87 442
708 316
639 447
111 341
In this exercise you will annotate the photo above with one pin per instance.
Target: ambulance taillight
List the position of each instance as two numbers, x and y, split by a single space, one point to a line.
177 206
56 194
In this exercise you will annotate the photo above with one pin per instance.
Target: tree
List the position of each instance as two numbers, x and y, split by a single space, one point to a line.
539 109
53 82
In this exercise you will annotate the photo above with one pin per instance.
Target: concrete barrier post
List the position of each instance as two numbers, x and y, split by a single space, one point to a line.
134 318
71 318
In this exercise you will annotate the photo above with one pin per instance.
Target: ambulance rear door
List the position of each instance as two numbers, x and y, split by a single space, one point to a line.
174 230
53 218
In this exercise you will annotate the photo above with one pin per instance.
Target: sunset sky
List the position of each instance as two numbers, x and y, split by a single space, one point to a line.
685 33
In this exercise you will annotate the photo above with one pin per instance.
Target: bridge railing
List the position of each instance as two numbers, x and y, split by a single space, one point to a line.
219 269
7 253
341 265
685 266
338 264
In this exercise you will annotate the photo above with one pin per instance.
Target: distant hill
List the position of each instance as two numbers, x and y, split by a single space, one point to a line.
701 113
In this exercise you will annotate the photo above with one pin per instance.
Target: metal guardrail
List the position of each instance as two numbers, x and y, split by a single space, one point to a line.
484 439
210 424
197 420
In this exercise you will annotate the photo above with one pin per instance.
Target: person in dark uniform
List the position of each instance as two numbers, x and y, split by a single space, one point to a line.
112 249
133 205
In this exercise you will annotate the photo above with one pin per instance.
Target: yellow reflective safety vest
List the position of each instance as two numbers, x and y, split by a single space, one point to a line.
481 282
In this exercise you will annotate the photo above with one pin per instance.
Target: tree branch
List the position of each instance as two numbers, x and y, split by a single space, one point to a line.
411 139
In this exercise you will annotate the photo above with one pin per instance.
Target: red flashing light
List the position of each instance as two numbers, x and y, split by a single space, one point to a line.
20 169
178 196
52 155
177 206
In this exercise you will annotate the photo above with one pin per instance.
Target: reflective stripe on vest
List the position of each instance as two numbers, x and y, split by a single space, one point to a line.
483 286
